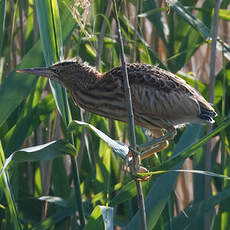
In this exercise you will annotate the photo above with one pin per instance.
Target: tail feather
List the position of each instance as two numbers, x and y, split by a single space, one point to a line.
207 115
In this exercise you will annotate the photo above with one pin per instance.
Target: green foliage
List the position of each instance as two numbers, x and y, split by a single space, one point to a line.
42 187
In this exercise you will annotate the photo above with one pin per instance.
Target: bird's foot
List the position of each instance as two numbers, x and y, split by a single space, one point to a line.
140 178
136 168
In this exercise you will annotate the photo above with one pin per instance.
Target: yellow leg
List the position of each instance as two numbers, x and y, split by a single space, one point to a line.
148 153
158 138
159 143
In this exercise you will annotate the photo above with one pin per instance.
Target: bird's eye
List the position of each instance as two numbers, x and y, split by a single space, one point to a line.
56 71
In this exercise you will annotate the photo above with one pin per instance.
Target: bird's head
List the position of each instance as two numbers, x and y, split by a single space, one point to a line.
55 72
65 72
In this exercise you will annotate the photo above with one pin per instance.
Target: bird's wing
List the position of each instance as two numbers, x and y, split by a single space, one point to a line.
160 96
156 76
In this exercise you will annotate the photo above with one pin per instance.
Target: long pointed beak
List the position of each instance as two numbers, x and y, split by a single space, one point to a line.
40 71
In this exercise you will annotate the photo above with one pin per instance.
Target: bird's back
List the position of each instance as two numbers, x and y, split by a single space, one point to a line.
160 98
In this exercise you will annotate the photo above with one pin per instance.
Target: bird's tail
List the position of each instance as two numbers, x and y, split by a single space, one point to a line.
207 115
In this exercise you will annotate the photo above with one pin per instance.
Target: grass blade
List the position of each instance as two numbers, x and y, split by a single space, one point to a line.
11 98
51 38
13 221
49 24
118 147
2 25
199 26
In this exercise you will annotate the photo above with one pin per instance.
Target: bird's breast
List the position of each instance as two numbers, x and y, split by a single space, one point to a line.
106 100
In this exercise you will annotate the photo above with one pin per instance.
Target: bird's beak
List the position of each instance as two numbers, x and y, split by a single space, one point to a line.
40 71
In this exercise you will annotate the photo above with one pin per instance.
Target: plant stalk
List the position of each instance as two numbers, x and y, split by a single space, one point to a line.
136 160
102 34
134 56
208 193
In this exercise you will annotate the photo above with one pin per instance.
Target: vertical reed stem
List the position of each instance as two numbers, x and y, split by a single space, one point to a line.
208 217
128 99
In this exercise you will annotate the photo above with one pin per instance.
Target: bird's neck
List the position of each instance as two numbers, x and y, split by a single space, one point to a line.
84 77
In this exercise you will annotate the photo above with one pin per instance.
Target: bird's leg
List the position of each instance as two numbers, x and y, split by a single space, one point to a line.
148 149
148 152
157 144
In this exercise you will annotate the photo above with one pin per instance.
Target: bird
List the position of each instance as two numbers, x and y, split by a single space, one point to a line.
161 100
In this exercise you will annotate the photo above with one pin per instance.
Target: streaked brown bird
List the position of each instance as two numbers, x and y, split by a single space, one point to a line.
161 100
